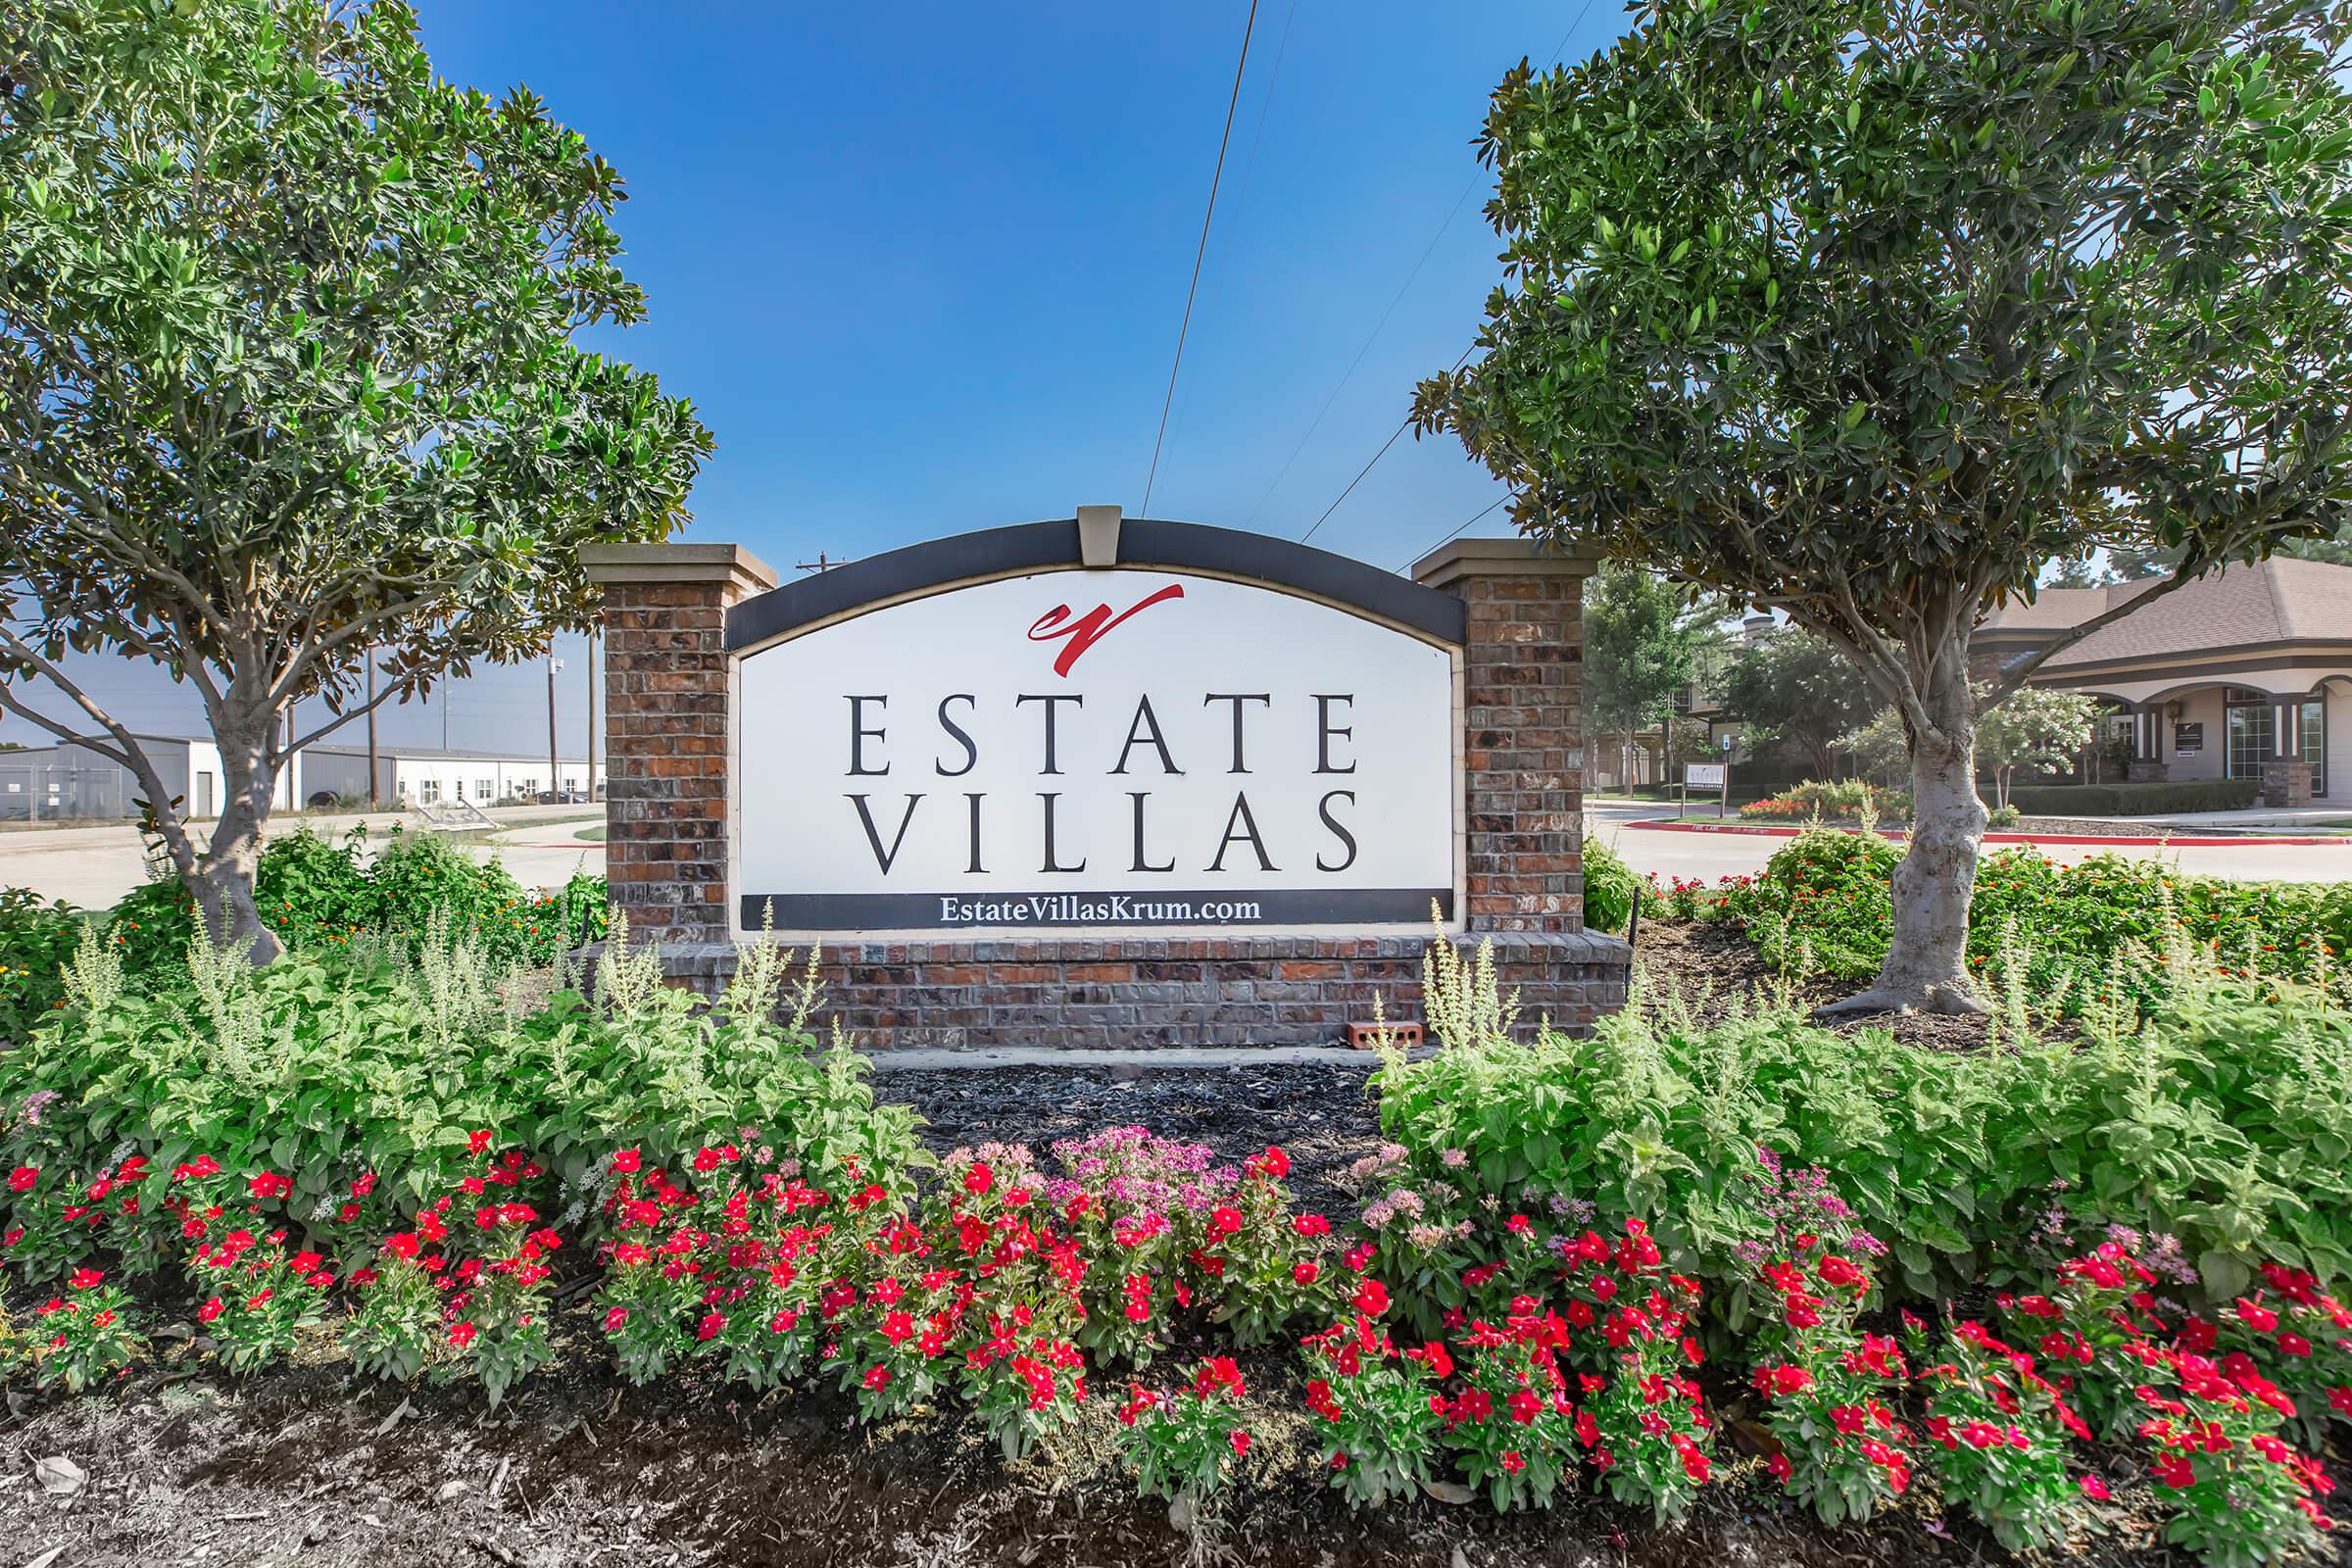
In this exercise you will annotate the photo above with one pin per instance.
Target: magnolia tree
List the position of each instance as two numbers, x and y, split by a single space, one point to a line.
1867 310
288 381
2032 728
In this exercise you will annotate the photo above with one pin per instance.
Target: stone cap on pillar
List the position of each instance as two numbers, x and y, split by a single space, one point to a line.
729 565
1457 559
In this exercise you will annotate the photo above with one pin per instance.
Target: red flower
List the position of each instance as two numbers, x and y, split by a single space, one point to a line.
21 1179
1311 1225
84 1279
626 1162
269 1184
476 1141
1239 1440
211 1310
462 1335
877 1378
616 1318
1525 1405
709 1328
1225 1221
2175 1471
1779 1467
1272 1163
1372 1298
1305 1272
1513 1461
979 1179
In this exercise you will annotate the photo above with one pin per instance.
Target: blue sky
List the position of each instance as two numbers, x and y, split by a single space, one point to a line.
921 266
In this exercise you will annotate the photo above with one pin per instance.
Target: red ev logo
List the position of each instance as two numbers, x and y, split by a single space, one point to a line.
1090 629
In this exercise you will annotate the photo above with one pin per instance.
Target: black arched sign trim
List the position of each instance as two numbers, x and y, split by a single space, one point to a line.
1144 544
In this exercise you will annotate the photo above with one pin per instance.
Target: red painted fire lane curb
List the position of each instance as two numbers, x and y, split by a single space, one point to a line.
2171 839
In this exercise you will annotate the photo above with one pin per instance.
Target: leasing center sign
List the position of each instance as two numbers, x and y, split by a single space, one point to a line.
1122 750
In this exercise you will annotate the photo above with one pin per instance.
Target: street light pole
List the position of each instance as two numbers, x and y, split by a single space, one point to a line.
554 779
592 715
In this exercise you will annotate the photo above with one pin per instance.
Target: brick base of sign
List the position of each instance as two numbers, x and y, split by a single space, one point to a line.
1155 994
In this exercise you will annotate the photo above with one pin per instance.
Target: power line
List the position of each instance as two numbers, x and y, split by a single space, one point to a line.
1367 467
1348 374
1560 49
1282 50
1240 66
1464 527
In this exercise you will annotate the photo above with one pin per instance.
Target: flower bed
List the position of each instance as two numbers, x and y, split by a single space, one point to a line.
1538 1291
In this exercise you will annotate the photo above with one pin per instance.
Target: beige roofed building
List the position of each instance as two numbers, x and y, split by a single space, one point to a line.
2232 675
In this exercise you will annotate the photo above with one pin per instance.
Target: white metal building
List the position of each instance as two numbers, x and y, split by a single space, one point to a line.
47 782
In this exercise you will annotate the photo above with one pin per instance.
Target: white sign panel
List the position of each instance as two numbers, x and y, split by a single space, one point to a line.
1704 775
1128 750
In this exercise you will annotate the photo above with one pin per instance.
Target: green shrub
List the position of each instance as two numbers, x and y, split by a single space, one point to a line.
1609 888
2151 798
314 894
332 1063
35 939
2226 1122
1822 905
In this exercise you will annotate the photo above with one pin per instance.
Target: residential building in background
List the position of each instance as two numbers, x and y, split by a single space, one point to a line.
2229 676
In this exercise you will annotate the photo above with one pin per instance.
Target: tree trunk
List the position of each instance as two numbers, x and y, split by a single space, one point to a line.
1926 960
222 879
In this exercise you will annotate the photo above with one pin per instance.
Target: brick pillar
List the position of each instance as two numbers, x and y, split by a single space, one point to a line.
1522 731
670 717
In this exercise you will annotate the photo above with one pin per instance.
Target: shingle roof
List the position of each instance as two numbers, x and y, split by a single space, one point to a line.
2284 599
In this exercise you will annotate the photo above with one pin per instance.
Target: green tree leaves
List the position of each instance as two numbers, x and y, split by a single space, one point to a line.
287 372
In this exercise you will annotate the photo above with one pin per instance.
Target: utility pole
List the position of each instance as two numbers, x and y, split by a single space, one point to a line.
592 633
555 778
371 727
822 563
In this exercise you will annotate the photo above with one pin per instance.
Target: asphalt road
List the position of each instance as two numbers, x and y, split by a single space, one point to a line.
1710 857
95 866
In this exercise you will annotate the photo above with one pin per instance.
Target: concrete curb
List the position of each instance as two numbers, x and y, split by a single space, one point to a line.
2171 839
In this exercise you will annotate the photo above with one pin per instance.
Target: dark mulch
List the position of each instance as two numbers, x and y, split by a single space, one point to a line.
1321 1113
1713 970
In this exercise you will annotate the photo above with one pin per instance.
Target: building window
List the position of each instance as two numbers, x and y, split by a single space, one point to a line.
2249 731
484 790
429 791
2315 743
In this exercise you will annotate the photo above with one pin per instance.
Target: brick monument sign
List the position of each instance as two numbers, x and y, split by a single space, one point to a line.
1105 782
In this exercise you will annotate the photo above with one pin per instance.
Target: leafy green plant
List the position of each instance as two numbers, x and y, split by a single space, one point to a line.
35 940
1610 887
1184 1445
1379 1412
86 1335
2224 1121
1996 1437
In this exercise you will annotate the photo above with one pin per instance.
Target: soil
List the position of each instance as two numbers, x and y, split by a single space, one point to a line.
1713 970
307 1465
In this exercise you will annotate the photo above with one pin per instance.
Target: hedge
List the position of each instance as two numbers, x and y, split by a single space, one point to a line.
2148 799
